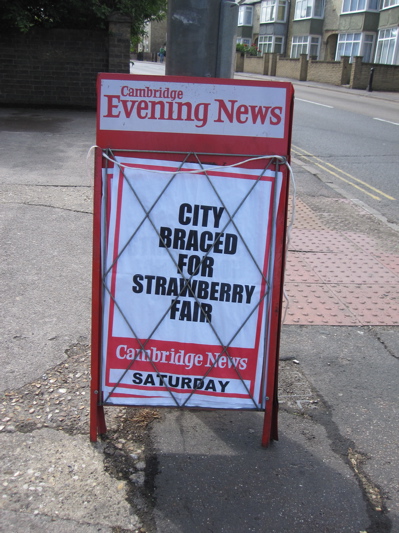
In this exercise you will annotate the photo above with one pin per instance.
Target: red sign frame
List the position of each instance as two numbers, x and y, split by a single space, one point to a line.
126 111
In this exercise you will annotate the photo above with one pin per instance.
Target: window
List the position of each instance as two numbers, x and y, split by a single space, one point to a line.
269 44
299 46
305 44
389 3
350 6
387 47
314 47
348 45
355 44
273 11
242 40
368 44
245 16
306 9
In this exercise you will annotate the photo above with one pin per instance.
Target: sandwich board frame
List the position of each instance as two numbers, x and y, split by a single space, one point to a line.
181 151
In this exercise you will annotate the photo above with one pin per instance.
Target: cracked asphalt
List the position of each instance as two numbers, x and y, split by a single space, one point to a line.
333 470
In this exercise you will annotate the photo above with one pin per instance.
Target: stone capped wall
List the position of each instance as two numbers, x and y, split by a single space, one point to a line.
59 67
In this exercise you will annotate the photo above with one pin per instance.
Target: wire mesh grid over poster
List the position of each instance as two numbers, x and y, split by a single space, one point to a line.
188 260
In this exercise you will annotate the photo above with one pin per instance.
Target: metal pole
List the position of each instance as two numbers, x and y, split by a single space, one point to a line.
370 85
227 39
201 38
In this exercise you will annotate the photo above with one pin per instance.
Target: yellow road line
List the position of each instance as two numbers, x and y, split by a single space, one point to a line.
339 177
314 159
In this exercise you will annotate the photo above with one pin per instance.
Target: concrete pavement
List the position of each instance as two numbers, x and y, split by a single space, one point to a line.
52 478
335 467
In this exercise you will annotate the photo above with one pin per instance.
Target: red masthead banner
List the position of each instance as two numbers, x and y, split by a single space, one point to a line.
194 114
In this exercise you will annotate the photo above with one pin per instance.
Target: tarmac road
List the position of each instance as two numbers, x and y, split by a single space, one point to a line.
335 466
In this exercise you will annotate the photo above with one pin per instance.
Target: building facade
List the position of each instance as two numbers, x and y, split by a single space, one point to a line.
154 37
322 29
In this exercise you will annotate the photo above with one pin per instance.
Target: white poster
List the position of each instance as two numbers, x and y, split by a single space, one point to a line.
187 265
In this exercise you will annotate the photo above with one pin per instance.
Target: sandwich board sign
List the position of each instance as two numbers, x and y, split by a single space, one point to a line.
190 209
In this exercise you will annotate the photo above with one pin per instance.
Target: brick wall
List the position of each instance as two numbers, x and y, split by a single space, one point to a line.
385 77
59 67
356 74
239 62
333 72
288 68
257 65
119 44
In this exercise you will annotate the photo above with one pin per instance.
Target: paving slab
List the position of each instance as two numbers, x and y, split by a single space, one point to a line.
340 277
215 476
49 473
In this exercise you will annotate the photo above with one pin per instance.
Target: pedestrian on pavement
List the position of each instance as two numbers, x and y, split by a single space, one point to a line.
162 53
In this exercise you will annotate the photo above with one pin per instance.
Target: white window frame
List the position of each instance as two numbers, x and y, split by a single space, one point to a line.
306 44
356 6
309 9
297 42
245 15
387 49
270 11
267 44
368 46
355 44
386 4
244 40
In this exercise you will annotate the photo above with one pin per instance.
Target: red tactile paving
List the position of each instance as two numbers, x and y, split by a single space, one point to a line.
305 217
340 277
307 240
371 245
390 261
298 270
314 304
372 304
349 268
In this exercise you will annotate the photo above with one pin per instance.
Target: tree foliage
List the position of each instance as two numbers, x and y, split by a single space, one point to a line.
23 15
